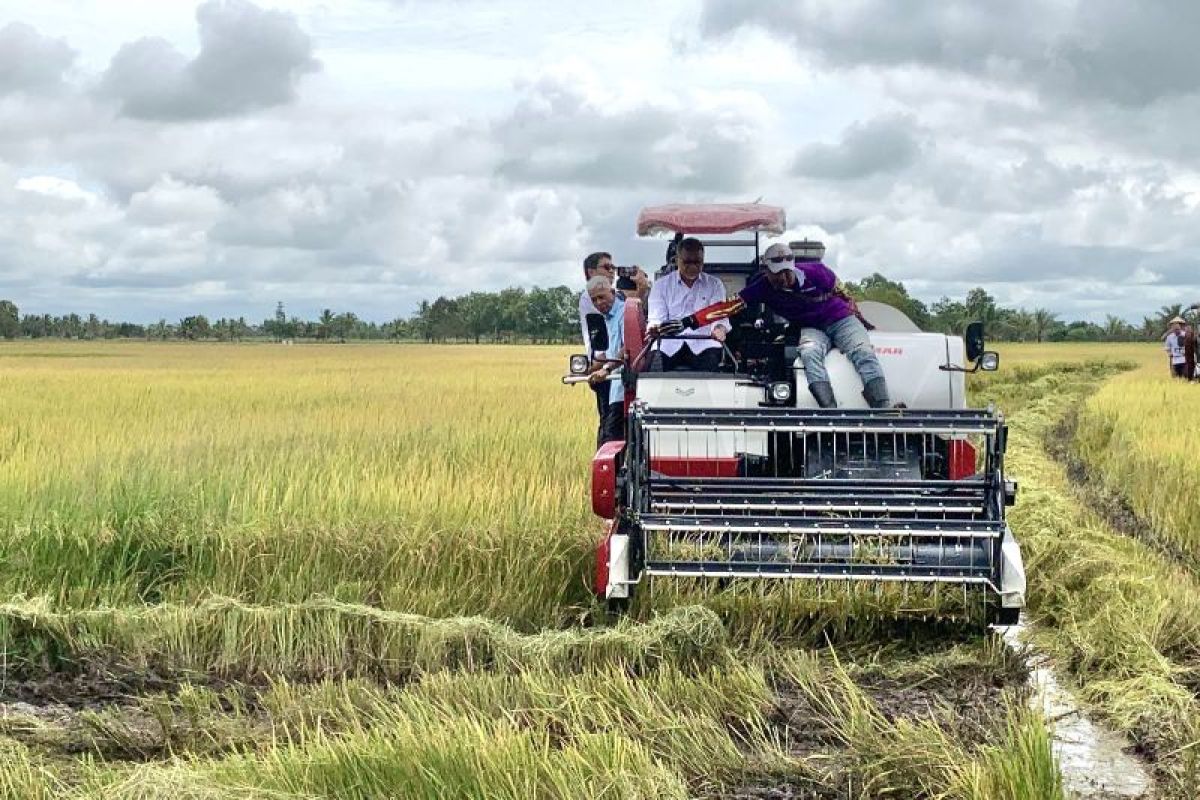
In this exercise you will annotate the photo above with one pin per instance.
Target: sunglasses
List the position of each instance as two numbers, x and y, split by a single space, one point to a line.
780 259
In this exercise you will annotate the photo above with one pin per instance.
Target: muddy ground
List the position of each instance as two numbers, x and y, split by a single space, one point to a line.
138 717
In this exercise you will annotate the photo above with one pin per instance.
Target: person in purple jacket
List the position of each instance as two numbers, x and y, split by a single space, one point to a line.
805 292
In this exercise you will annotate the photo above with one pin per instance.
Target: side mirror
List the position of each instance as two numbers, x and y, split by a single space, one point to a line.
597 332
579 364
989 361
973 339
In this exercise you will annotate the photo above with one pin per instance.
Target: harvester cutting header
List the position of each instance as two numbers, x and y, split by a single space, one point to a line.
755 449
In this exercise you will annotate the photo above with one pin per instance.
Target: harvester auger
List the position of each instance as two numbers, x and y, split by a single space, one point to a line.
738 474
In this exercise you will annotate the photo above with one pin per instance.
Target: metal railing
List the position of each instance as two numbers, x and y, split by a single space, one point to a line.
836 494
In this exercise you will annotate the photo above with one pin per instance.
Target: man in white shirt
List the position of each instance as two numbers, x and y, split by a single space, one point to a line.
1174 345
611 305
682 293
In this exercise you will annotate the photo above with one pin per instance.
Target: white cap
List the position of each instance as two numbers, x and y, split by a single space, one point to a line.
778 257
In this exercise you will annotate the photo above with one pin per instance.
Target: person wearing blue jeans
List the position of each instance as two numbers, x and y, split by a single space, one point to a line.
849 336
806 293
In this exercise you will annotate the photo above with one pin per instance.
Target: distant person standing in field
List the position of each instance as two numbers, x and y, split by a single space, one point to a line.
1189 352
1174 345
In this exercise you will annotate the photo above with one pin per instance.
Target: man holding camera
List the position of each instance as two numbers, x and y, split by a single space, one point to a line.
633 282
630 282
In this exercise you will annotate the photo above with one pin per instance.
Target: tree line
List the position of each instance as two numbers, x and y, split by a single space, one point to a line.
1008 324
551 315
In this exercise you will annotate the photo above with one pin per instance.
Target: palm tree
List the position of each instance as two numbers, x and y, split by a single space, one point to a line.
1020 322
1043 322
1115 328
1161 320
326 324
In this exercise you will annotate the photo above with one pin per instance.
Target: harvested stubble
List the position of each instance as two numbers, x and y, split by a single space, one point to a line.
1139 436
915 756
1123 619
472 734
469 733
227 639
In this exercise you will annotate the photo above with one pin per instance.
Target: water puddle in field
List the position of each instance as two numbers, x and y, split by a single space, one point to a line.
1094 760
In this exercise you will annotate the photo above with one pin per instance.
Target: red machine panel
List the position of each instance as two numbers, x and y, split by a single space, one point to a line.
604 479
962 459
696 467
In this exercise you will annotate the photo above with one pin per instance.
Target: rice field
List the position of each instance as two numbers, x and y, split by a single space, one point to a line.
362 571
1140 437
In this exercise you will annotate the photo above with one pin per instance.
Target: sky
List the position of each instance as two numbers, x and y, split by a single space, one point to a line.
159 159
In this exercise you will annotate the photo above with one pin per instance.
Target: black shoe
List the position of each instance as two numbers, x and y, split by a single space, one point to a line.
875 392
823 392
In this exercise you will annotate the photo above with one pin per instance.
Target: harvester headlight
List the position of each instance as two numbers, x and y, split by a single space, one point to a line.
781 392
579 365
989 361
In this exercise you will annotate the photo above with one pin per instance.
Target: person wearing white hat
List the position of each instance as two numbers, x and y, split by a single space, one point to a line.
1174 345
805 292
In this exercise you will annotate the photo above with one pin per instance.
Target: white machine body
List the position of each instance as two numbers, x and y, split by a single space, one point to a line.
912 363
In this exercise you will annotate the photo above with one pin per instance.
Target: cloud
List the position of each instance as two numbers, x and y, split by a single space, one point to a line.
1132 54
1037 151
171 202
1018 180
249 59
1122 53
59 189
879 145
30 62
567 129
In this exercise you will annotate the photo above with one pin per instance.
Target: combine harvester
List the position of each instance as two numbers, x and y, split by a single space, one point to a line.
738 474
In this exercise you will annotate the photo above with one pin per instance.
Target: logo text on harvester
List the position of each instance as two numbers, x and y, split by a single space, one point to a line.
889 351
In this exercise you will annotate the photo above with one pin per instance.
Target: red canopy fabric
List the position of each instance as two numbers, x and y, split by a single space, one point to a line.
713 218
